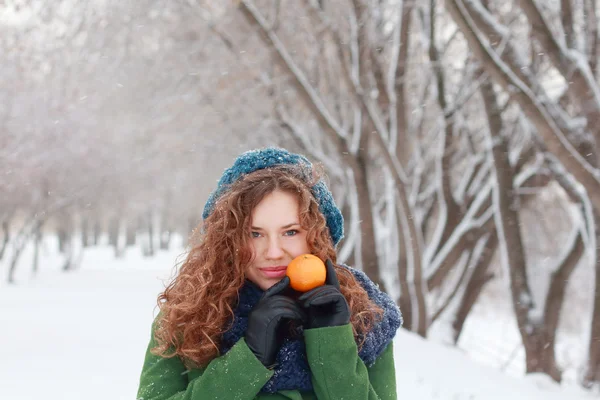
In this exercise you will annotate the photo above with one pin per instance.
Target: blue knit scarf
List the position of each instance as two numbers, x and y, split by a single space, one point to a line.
292 371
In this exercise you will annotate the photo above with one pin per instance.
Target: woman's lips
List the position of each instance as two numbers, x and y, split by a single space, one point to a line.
274 272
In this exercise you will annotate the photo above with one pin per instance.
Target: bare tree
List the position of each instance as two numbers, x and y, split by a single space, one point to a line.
441 125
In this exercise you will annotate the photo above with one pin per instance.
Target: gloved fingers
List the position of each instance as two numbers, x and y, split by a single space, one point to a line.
277 288
328 298
281 307
294 314
284 315
309 297
331 278
278 301
291 309
311 293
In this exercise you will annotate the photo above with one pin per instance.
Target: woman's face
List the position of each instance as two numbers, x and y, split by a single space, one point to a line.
276 238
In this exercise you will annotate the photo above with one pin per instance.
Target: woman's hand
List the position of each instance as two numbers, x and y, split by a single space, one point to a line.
326 305
268 322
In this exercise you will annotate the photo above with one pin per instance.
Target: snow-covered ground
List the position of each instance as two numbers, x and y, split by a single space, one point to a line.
83 334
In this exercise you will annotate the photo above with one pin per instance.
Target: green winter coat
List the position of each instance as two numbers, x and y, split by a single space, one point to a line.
337 372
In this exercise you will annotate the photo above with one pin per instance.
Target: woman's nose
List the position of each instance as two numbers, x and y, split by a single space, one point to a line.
274 249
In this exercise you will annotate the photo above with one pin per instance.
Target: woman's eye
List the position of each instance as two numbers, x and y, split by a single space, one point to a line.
292 232
255 234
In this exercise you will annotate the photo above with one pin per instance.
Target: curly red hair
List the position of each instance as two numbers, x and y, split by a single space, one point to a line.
196 307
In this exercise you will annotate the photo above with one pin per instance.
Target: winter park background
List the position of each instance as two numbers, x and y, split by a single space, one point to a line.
460 142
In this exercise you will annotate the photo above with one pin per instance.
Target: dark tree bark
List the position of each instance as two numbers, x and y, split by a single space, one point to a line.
97 233
85 232
130 234
37 240
6 237
537 336
592 373
113 232
480 276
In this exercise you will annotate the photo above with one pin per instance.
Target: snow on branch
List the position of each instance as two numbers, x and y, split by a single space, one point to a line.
473 258
577 192
467 224
471 170
553 137
303 139
352 241
332 128
571 63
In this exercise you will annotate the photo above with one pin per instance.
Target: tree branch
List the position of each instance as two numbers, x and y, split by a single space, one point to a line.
591 29
554 139
303 141
305 89
474 259
398 103
558 284
571 64
566 17
498 36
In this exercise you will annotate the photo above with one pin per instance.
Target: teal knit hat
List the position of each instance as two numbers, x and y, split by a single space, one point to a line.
255 160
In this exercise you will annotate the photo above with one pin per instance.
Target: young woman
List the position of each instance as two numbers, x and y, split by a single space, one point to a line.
230 326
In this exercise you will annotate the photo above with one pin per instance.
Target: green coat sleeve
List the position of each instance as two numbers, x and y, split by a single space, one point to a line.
236 375
337 372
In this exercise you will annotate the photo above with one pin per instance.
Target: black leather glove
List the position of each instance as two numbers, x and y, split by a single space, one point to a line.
268 322
326 305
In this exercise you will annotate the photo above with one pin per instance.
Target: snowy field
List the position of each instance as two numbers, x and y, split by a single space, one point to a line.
83 334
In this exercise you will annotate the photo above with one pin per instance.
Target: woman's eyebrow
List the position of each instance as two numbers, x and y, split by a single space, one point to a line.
256 228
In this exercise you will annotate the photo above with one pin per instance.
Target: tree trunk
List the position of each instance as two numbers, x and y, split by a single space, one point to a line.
165 239
64 232
130 234
97 232
406 294
19 245
582 85
480 276
592 373
591 31
6 239
348 220
370 264
534 335
85 231
36 252
150 225
453 254
68 263
113 232
15 259
566 9
547 128
403 142
415 263
446 145
554 301
450 214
